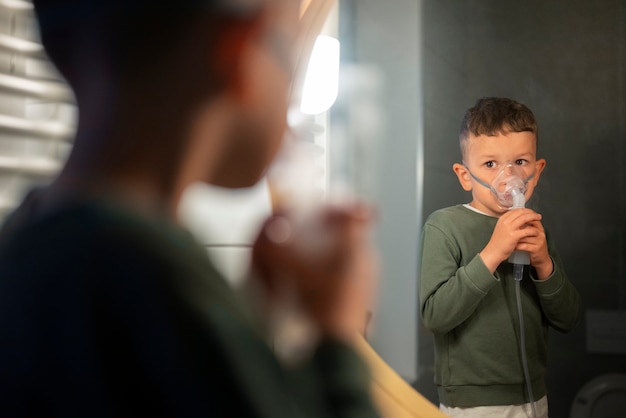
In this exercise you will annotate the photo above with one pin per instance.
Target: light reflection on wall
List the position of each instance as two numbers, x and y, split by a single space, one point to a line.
322 77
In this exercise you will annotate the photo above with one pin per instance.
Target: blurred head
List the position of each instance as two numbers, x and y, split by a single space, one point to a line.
126 36
187 55
261 96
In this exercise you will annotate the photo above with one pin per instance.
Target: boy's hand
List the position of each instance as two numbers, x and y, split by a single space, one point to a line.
537 246
328 264
513 227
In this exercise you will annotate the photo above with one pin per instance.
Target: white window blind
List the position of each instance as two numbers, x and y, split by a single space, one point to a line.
37 109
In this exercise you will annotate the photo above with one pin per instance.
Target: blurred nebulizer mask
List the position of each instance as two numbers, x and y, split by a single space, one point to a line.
509 186
297 183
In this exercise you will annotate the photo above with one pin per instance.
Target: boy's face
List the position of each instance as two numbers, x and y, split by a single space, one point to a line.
486 155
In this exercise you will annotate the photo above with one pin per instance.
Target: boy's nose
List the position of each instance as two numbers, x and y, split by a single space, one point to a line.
509 170
502 186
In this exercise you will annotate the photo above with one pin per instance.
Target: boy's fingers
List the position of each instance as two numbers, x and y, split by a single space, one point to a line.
325 247
537 224
525 218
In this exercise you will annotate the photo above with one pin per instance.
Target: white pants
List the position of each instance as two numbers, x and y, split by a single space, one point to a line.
500 411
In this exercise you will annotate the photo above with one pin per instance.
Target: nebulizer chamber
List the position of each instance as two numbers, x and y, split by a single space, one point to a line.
509 186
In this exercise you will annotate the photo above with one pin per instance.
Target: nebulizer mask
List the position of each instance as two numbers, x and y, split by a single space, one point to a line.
508 186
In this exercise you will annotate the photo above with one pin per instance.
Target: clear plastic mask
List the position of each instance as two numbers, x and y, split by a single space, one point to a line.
508 186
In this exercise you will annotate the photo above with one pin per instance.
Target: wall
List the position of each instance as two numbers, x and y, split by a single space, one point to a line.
565 60
380 51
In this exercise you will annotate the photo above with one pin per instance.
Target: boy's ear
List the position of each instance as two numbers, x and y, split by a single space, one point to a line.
463 175
540 164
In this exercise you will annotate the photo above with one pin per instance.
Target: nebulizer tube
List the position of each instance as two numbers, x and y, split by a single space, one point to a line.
519 259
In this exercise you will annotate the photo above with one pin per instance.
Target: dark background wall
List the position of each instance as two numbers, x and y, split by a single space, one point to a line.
566 60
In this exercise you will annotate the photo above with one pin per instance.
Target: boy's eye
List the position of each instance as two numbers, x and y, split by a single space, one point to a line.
521 161
490 164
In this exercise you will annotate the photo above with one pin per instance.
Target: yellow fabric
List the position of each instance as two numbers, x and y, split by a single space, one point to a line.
393 396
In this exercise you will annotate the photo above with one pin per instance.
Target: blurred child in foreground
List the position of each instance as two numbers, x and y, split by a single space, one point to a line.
108 308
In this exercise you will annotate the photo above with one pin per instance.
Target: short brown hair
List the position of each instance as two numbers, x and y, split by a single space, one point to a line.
494 115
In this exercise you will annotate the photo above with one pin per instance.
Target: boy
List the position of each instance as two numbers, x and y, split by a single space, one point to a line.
108 308
467 287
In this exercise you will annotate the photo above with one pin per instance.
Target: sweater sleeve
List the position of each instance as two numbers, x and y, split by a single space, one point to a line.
559 299
449 293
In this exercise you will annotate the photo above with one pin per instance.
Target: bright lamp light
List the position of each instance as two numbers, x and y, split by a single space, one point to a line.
321 81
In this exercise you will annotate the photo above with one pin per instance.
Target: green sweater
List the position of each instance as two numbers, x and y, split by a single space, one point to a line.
108 313
473 313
